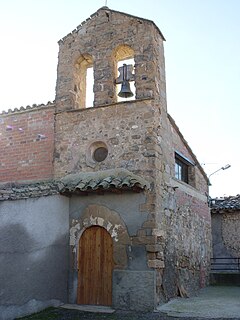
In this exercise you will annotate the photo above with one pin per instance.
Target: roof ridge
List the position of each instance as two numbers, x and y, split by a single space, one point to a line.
28 108
108 9
231 203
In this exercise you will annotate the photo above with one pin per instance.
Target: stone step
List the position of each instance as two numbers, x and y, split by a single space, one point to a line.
88 308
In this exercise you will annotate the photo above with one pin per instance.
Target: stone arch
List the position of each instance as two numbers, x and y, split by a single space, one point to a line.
123 52
81 81
97 215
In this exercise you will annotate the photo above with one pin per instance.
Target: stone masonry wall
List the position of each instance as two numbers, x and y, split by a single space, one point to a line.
230 232
225 230
188 218
183 228
188 243
26 144
127 129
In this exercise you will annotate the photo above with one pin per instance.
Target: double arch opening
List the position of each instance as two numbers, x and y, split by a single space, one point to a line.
84 76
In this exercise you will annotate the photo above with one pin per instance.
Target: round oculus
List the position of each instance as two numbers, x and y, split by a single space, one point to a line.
100 154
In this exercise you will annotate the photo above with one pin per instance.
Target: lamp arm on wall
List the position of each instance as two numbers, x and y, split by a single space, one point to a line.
227 166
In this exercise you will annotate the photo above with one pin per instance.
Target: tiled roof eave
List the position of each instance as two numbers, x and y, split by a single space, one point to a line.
115 190
225 210
226 204
114 181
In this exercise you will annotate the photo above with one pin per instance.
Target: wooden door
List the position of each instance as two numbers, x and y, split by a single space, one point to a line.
95 264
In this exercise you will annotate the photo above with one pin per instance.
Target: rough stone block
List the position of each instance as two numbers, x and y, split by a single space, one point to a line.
144 240
134 290
156 264
158 233
153 247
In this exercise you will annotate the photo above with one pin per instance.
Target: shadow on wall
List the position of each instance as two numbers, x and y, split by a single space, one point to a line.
29 271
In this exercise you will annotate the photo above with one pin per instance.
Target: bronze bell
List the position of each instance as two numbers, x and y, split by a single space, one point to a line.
124 78
125 91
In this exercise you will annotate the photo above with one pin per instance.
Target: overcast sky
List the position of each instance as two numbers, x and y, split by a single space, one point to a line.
202 54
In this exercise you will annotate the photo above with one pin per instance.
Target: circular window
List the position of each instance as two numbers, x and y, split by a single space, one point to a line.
100 154
97 152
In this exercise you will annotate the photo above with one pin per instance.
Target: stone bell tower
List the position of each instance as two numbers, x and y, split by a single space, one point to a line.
90 63
115 144
112 139
101 42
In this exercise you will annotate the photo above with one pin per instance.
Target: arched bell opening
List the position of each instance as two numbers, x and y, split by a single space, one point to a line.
124 73
83 82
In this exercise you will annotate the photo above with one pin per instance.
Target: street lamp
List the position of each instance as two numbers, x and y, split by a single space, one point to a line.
227 166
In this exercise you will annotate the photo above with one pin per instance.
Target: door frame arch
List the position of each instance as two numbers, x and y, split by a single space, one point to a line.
98 215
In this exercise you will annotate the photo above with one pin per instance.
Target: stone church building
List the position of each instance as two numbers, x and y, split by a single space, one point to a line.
102 202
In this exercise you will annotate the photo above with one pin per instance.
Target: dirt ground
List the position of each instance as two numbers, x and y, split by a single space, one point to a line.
65 314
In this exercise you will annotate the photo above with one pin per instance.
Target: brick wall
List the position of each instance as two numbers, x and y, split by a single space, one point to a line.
26 144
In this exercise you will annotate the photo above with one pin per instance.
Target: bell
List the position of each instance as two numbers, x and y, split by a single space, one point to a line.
125 91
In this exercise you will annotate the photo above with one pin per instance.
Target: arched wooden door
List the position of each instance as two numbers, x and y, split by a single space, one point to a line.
95 264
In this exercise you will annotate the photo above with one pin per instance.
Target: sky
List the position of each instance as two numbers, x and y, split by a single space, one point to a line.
202 52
